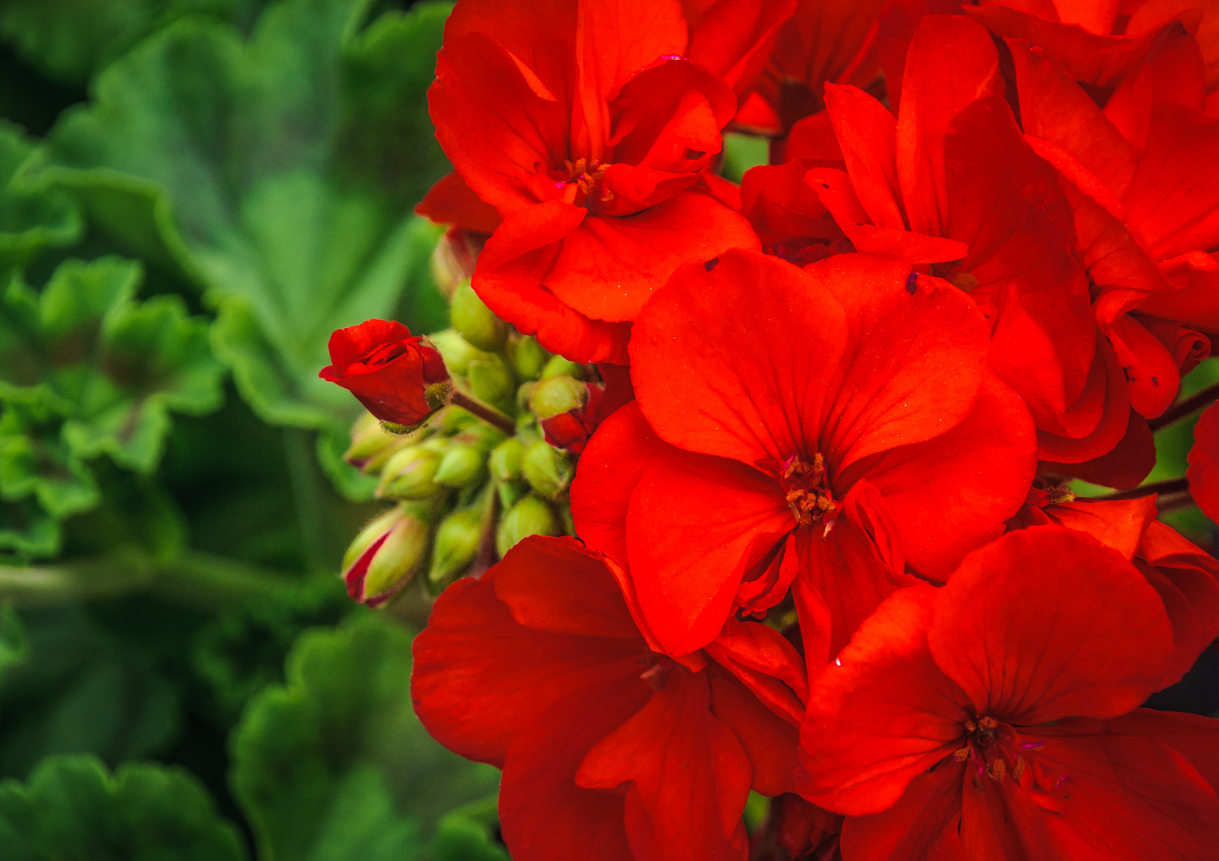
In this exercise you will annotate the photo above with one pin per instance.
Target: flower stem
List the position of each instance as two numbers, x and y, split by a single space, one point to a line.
488 414
1186 407
1172 485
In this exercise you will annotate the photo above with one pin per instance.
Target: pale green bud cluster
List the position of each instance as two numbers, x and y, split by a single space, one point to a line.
464 491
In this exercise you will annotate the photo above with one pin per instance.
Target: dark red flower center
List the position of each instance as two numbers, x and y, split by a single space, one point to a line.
805 487
995 749
588 176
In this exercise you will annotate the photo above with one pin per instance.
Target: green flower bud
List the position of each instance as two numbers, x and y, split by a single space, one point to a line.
368 440
410 473
456 545
454 420
491 379
526 356
505 460
385 555
474 320
456 351
547 469
530 516
510 491
558 366
460 465
555 395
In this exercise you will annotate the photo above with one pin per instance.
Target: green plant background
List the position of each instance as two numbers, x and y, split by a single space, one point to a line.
193 195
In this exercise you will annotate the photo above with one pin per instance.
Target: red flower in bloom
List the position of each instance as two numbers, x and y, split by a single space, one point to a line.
1203 472
398 378
1098 41
950 185
989 719
611 748
571 430
1186 577
826 426
588 131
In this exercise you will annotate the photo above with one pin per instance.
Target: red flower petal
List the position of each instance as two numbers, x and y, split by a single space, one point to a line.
1047 623
747 384
451 201
881 714
1203 472
924 823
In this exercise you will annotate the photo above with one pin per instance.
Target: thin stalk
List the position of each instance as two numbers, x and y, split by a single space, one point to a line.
1186 407
193 579
1172 485
307 497
487 413
1174 502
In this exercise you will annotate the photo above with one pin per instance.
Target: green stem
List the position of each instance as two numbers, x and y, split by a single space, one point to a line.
194 579
1184 408
489 414
307 497
1172 485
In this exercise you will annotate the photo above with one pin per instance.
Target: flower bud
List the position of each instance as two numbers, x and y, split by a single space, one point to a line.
385 555
547 469
456 544
475 321
505 460
456 350
530 516
368 440
558 366
555 395
526 356
410 474
453 259
510 491
460 465
491 379
398 378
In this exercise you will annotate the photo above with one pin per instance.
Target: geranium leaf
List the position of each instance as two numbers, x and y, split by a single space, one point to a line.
32 215
279 173
335 764
72 809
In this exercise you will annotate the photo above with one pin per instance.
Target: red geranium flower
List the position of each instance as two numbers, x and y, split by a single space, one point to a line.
1203 472
826 426
611 748
398 378
586 128
989 719
1186 577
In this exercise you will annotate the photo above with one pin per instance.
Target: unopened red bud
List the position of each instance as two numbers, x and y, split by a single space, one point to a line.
386 554
454 258
398 378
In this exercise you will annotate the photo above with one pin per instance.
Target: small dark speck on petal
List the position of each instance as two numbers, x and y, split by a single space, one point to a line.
911 283
1155 382
711 264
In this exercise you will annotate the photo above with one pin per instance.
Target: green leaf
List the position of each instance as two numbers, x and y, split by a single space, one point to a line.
35 461
111 367
279 173
27 531
335 765
72 810
14 648
32 215
69 40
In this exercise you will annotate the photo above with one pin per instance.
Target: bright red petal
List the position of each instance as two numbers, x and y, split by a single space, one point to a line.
451 201
733 358
1203 472
881 714
867 134
924 823
1047 623
914 361
608 267
1187 578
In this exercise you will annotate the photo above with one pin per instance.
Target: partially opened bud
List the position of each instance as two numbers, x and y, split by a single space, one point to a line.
456 545
530 516
547 469
410 474
454 257
398 378
386 554
474 320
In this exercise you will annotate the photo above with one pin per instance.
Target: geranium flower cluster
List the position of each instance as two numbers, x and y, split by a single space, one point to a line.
824 544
